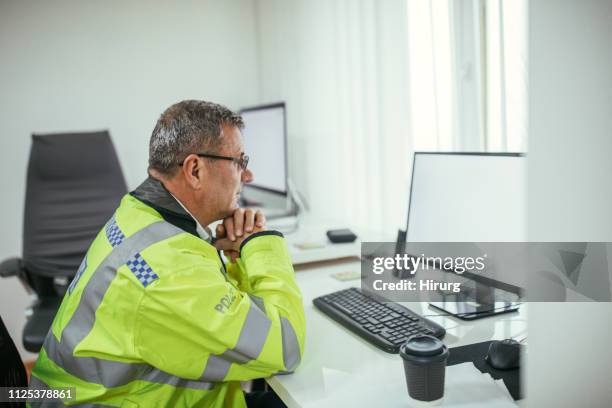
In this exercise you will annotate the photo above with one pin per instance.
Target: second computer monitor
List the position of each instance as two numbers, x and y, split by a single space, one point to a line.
265 141
468 197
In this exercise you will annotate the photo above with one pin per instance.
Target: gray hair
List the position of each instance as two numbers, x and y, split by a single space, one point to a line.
188 127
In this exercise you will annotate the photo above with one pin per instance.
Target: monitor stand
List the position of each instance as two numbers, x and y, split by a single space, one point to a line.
487 301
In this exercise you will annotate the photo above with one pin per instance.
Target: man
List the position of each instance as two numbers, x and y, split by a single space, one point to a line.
153 316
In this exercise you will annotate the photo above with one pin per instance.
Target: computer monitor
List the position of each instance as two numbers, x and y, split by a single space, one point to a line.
472 198
265 141
468 197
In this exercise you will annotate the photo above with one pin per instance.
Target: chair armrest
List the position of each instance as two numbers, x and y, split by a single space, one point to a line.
11 267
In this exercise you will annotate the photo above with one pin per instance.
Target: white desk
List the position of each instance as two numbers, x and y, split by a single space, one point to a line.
339 369
325 250
314 232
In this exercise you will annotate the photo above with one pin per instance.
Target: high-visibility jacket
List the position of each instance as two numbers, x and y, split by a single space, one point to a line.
152 317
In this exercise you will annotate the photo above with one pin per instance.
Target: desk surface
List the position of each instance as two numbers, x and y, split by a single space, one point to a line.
340 369
314 233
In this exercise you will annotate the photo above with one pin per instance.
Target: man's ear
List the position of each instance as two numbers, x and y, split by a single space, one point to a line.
193 171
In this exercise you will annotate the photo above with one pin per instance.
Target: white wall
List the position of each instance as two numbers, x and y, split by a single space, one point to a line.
88 65
570 191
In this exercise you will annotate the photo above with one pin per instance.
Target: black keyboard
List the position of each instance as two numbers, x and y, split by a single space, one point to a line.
385 325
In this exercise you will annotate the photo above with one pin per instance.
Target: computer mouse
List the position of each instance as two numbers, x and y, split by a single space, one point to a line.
504 354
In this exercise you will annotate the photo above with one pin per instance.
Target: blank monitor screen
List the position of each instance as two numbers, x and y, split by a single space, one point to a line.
465 197
266 144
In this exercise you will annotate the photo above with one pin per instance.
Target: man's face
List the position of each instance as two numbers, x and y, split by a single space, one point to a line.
226 177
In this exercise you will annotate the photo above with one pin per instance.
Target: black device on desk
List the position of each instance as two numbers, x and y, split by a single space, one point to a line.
341 235
385 325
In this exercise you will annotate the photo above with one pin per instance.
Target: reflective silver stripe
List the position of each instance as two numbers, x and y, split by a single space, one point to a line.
161 377
36 384
83 318
106 372
253 333
250 343
113 373
216 368
291 347
259 302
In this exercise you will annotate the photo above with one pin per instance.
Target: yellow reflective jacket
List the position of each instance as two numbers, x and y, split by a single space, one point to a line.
153 318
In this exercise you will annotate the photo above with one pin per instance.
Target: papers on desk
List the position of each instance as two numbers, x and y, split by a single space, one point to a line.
466 386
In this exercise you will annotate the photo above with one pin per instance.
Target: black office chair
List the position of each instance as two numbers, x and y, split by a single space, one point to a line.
74 183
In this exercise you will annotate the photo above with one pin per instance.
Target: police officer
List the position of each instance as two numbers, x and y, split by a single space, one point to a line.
154 317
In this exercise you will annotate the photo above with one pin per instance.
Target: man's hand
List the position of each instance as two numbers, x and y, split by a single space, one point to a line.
221 235
243 221
236 228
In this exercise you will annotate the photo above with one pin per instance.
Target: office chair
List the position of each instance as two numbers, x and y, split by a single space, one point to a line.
74 183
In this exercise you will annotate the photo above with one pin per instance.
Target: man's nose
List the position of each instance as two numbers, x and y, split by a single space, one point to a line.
247 176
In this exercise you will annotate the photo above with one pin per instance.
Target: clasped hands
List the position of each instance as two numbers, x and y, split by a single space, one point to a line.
234 229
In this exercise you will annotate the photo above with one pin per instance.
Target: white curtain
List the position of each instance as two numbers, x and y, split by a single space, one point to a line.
505 26
342 68
469 74
368 82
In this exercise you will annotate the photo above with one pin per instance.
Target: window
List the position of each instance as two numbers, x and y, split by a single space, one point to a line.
468 74
506 74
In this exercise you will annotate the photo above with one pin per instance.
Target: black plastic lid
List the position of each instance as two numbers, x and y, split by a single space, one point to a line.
422 345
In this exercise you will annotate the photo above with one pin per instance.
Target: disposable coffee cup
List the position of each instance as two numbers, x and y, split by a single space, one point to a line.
424 365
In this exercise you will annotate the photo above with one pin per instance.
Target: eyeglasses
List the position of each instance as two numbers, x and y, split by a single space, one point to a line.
242 161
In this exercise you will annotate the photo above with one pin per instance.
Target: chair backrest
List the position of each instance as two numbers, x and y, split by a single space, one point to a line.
74 183
12 370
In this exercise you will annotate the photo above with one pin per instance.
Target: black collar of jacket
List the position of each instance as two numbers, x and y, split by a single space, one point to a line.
153 193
